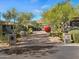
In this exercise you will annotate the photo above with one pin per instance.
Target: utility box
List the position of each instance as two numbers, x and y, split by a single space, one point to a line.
12 39
67 37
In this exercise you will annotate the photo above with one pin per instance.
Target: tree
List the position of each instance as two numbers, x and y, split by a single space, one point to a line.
24 18
10 15
60 13
36 25
7 16
13 14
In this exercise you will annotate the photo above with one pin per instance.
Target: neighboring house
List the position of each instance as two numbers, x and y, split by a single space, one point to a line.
40 20
6 27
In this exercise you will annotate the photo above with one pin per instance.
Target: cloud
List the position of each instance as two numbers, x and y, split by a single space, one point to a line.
38 11
1 6
33 1
45 6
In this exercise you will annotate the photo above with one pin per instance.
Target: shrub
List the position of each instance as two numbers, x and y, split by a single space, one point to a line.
18 35
30 31
3 38
57 34
75 35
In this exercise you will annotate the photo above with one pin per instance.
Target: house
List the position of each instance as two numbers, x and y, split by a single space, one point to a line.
6 27
40 20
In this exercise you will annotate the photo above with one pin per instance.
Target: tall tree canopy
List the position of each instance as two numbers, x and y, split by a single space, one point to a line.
10 15
24 18
60 13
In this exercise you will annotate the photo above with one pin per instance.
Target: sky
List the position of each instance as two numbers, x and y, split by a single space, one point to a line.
34 6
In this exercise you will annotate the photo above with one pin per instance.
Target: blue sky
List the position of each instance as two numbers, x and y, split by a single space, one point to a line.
34 6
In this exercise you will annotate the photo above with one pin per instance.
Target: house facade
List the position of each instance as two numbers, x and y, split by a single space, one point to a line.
6 27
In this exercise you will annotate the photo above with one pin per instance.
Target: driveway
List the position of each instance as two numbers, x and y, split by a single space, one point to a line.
59 52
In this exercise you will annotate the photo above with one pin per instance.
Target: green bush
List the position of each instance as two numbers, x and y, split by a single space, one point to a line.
20 28
75 35
30 31
18 35
57 34
3 38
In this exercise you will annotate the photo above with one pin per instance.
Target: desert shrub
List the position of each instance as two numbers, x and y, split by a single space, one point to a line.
20 28
75 35
18 35
30 31
57 34
3 38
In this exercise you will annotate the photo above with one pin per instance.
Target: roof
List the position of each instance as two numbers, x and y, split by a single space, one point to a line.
40 20
6 23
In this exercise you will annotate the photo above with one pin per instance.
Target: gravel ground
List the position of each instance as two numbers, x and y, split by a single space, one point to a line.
59 51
